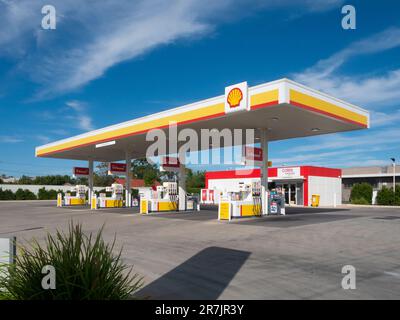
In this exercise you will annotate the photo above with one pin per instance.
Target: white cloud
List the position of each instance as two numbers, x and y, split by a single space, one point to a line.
43 139
340 158
80 118
78 106
387 137
366 90
364 162
91 37
59 132
85 122
380 119
313 157
10 139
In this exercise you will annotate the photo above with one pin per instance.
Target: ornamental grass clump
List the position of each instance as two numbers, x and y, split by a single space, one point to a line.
85 268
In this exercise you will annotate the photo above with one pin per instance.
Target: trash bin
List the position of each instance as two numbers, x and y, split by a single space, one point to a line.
315 200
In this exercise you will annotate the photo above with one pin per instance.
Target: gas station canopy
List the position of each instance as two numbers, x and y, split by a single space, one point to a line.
283 107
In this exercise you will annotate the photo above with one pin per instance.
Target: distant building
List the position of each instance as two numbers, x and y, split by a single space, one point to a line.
9 179
375 176
135 183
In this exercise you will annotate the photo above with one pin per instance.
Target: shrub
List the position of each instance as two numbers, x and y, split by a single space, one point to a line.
385 197
359 201
85 266
44 194
361 191
52 194
24 195
397 196
6 194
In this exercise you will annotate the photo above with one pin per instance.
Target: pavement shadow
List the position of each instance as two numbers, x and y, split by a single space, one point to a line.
301 210
289 210
204 215
203 276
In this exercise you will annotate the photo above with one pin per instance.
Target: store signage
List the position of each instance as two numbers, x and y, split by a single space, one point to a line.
236 97
80 172
252 156
289 172
170 164
116 168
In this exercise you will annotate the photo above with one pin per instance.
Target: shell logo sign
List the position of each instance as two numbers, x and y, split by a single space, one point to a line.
236 97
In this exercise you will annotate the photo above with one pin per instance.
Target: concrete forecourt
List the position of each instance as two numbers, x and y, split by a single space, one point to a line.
194 256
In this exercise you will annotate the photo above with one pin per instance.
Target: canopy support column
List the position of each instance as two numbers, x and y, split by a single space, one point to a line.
90 192
264 170
128 197
182 187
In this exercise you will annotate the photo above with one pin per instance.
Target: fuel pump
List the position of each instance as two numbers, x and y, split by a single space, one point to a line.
245 201
256 196
165 198
78 199
116 198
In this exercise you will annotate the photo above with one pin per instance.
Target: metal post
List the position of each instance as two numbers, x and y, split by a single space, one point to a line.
128 197
394 176
182 185
264 170
90 192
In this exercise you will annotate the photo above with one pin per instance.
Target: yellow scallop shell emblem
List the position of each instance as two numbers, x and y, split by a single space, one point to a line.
235 96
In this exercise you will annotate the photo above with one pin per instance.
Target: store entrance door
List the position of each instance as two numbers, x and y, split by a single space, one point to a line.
293 192
286 188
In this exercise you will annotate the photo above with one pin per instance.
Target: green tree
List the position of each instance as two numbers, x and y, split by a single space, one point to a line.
25 180
57 180
101 178
361 192
141 167
194 180
149 177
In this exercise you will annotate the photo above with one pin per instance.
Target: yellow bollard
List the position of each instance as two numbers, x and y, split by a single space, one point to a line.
93 203
59 199
144 206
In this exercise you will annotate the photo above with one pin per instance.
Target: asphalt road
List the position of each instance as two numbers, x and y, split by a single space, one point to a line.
194 256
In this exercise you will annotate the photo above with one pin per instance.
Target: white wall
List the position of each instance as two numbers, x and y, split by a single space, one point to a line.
226 185
35 188
326 188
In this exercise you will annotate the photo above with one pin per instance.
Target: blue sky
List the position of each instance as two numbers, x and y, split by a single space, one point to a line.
111 61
